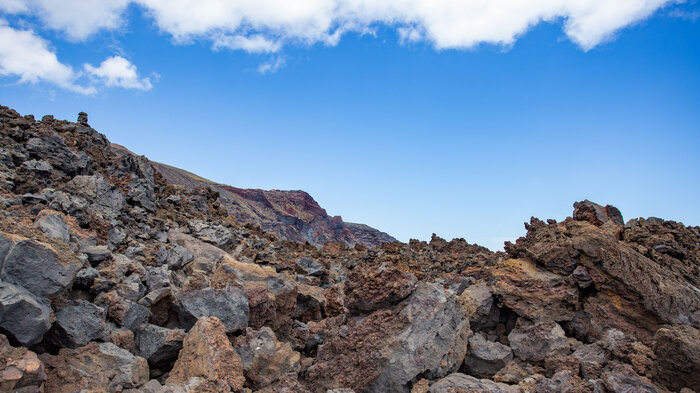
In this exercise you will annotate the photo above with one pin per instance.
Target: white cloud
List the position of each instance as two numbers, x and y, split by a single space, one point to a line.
78 19
252 44
271 67
117 71
27 56
264 25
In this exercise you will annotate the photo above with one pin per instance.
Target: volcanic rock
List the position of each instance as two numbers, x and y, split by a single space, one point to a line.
534 342
464 383
22 316
208 354
677 351
229 305
95 365
264 358
484 358
77 323
158 345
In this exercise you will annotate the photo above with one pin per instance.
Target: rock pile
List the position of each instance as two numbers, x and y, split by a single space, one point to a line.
114 280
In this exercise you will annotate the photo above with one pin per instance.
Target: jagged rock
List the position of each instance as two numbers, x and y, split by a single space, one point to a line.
264 358
20 369
533 292
178 257
97 254
22 316
54 150
485 358
229 305
116 236
534 342
464 383
310 303
156 278
387 349
372 289
53 225
479 301
158 345
208 354
677 350
592 359
103 196
77 323
597 214
95 365
622 378
310 267
213 233
37 267
83 118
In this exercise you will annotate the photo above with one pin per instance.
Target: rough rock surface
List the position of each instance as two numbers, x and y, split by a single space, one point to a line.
207 354
113 279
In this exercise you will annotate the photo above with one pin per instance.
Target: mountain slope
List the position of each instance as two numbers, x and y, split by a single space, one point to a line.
289 215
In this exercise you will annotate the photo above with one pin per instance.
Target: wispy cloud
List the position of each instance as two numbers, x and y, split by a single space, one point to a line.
272 66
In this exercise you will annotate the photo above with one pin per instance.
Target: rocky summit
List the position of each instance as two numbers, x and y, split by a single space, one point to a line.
116 277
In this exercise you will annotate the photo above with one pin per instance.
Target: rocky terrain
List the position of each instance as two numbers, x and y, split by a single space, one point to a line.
289 215
112 279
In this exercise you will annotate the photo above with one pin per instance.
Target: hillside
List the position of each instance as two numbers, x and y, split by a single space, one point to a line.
289 215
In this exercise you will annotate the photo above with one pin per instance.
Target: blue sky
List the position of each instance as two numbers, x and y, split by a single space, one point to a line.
406 125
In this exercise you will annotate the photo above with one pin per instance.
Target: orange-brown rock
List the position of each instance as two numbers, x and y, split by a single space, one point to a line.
207 353
20 369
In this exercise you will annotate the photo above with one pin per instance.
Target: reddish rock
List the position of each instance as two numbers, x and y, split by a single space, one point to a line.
20 369
207 353
371 289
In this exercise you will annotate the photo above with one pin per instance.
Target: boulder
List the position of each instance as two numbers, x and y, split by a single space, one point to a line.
20 369
77 323
264 358
371 289
533 342
229 305
592 359
597 214
213 233
310 267
384 351
485 358
479 301
54 150
96 254
53 225
95 365
37 267
22 316
677 350
207 354
158 345
533 292
465 383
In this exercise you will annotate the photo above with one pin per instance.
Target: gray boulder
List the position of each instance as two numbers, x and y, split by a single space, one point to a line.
158 345
37 267
229 305
485 358
465 383
96 254
54 226
54 150
21 315
77 324
534 342
178 256
310 266
265 359
213 233
480 298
